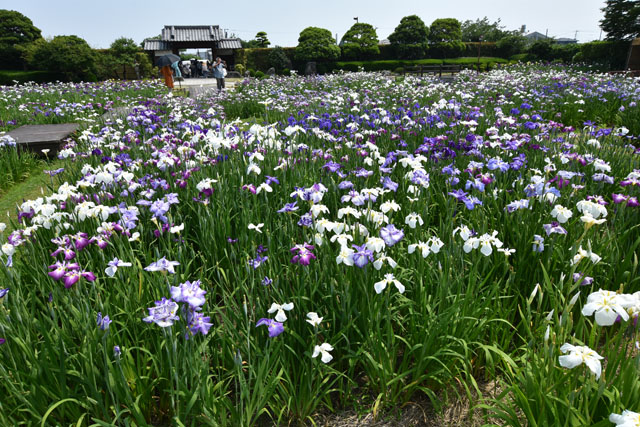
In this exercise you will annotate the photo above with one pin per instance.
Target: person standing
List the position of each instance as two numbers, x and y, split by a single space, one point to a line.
168 76
219 71
176 69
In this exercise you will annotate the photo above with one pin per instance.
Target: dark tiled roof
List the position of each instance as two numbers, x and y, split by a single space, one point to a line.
229 44
155 44
186 34
190 33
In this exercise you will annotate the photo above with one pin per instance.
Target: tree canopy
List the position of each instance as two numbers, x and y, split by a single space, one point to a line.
317 44
621 19
70 55
482 29
278 59
262 40
445 37
445 30
410 37
360 41
124 51
16 33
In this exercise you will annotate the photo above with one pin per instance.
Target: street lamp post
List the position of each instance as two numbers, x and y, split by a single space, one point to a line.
479 44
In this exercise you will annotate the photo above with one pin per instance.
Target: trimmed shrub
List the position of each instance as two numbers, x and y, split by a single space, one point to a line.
612 54
9 78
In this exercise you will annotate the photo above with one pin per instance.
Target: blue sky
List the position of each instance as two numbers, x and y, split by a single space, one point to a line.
100 22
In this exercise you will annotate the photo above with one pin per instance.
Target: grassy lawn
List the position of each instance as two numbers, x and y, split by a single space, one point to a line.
36 185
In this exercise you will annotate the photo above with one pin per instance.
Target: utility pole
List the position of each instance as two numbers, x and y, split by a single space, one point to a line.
479 44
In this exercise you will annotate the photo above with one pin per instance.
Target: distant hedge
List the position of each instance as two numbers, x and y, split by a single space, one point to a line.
258 58
466 62
609 54
9 78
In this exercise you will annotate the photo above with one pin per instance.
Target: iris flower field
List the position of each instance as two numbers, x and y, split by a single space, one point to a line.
303 246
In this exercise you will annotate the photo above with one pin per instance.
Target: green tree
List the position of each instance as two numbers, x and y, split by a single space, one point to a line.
542 49
482 30
278 59
621 19
511 44
316 44
69 55
16 33
445 30
124 51
446 37
262 40
410 37
360 42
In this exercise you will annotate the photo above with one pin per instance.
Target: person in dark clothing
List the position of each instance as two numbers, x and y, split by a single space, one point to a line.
198 68
193 68
219 71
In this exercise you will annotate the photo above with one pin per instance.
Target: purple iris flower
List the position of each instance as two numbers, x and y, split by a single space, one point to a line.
72 277
581 279
162 265
538 243
391 235
345 185
289 207
362 256
81 241
199 323
2 341
306 220
116 351
517 204
3 292
388 184
62 268
163 314
303 254
459 194
471 202
554 227
362 173
632 202
159 208
69 254
619 198
171 198
103 322
602 177
332 166
267 281
275 328
272 180
258 261
54 172
189 292
476 183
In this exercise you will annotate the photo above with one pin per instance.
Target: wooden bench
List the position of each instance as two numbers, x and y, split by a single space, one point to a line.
432 69
36 138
